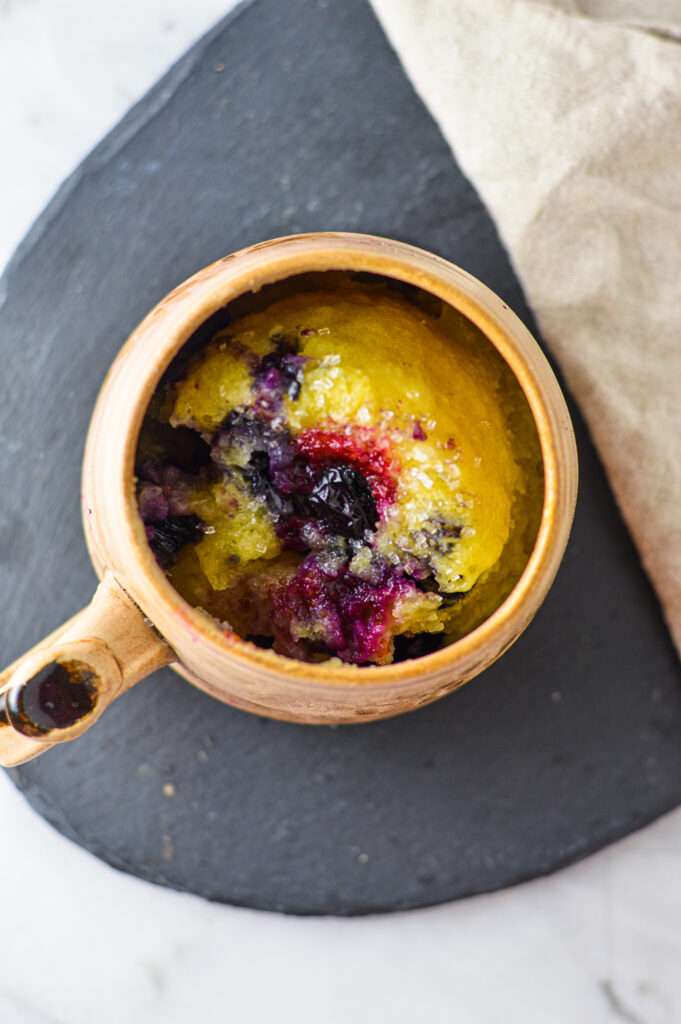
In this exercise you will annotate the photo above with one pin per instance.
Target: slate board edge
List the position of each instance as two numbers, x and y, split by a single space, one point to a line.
579 852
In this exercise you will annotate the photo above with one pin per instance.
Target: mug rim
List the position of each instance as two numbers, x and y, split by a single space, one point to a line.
184 309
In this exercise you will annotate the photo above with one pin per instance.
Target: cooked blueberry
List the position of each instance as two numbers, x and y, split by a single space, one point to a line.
281 371
152 502
247 432
335 495
258 477
167 536
341 499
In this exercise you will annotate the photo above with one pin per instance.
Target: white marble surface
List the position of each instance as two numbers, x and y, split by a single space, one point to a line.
599 943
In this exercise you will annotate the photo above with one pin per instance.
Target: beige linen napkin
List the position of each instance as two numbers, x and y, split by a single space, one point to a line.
566 116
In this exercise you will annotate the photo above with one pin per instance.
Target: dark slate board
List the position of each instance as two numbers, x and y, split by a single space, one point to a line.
290 116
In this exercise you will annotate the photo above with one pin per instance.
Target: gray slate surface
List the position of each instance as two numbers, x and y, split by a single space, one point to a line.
295 115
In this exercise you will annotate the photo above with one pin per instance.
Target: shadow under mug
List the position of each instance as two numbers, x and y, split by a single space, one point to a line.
137 622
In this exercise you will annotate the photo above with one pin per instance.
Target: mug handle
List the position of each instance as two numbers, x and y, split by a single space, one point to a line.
59 689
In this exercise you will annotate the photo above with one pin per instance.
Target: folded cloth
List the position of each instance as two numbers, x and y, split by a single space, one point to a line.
566 116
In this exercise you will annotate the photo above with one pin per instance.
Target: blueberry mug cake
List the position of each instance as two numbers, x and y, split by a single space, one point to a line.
341 467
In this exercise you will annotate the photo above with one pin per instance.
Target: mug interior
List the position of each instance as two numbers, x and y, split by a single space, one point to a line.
490 595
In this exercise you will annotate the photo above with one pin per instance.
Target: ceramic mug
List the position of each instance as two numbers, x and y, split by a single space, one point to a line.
137 622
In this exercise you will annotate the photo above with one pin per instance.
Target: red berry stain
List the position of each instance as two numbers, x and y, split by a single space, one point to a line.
368 452
349 617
